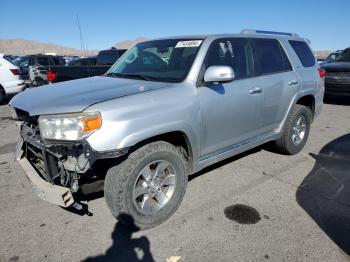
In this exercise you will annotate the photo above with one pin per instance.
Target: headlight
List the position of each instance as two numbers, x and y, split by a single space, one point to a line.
71 127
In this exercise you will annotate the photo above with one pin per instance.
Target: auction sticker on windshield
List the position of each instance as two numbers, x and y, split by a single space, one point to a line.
189 43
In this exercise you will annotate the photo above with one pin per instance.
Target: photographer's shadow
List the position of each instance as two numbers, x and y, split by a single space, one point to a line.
124 247
325 192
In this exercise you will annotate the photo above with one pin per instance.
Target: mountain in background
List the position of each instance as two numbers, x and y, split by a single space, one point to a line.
129 43
26 47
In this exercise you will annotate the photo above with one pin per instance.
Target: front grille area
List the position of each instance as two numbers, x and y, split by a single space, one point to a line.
35 149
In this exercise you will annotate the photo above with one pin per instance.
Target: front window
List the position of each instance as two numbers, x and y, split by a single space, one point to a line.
160 60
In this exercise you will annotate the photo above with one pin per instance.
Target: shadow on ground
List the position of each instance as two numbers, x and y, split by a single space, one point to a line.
337 100
227 161
325 192
124 247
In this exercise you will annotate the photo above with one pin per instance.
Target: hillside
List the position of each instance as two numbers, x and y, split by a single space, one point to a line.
26 47
129 43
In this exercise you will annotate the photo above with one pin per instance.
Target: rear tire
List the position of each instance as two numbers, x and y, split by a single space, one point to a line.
2 95
38 82
159 197
296 131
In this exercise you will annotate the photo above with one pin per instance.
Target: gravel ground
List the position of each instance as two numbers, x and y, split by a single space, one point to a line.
290 208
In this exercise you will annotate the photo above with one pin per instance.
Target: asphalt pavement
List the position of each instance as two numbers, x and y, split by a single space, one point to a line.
258 206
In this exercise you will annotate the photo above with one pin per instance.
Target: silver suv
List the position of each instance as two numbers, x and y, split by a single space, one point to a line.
167 109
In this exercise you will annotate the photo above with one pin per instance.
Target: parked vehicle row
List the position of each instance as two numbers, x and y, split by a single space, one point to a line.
42 69
80 68
167 109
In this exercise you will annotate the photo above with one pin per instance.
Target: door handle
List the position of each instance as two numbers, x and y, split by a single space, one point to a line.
293 83
255 90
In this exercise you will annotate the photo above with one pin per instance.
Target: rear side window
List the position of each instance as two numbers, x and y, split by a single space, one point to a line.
269 57
121 52
57 60
42 60
304 53
107 57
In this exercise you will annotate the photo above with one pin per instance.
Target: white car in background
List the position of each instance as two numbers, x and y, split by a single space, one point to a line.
10 79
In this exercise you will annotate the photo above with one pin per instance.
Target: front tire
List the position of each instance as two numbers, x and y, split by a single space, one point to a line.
296 131
148 186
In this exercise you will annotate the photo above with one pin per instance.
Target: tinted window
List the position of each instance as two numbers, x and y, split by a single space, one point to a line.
31 60
343 56
76 63
230 52
57 60
107 57
42 60
269 57
304 53
23 62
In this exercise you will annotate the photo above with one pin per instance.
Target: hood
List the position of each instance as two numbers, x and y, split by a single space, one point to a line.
337 67
77 95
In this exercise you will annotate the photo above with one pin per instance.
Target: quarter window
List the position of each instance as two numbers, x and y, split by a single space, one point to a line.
304 53
43 61
230 52
269 57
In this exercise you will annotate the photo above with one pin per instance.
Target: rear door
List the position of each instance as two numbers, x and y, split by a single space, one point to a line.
277 80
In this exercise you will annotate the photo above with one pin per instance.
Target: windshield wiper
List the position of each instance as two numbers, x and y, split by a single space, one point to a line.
137 76
111 74
142 77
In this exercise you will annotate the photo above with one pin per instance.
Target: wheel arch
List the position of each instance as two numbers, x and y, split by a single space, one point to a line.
177 138
308 101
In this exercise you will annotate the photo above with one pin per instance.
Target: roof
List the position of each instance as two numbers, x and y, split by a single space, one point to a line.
244 33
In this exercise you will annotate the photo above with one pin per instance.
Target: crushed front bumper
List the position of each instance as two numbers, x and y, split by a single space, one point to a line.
54 194
58 169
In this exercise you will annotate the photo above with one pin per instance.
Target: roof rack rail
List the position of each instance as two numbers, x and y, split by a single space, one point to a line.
253 32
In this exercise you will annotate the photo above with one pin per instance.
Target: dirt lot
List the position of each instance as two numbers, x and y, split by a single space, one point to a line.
303 205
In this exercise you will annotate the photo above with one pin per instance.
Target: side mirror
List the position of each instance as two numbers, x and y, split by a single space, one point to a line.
221 74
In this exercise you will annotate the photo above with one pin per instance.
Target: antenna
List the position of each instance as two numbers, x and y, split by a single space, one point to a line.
82 48
82 45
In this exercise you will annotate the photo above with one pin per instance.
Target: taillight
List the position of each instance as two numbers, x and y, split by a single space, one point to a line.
322 72
51 76
16 72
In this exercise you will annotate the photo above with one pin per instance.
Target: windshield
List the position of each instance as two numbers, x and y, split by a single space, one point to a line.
160 60
343 57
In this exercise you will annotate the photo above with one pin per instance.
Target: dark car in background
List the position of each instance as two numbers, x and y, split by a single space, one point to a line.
337 80
331 57
28 66
80 68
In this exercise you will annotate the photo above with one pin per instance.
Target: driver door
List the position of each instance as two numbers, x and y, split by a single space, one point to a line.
229 110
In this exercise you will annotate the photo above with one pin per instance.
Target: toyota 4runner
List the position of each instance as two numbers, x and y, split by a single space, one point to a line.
167 109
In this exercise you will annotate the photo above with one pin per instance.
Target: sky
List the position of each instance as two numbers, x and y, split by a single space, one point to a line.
104 23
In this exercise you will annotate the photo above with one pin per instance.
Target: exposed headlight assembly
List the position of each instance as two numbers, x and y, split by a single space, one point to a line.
69 127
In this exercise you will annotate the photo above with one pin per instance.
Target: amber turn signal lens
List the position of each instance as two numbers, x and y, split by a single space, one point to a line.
92 123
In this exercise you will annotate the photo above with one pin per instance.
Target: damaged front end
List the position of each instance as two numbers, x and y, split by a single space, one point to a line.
57 169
